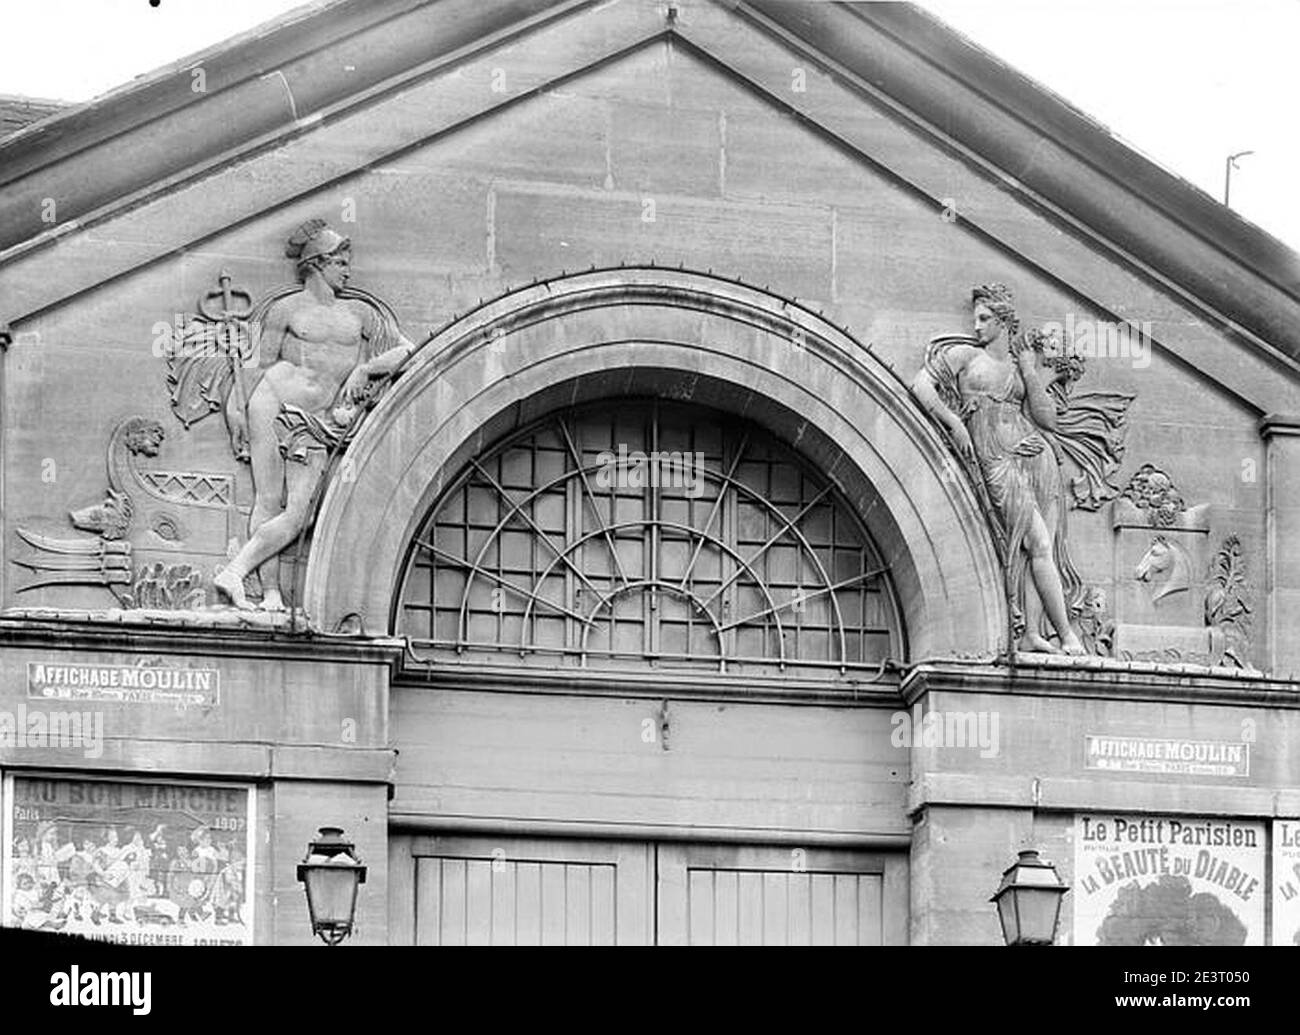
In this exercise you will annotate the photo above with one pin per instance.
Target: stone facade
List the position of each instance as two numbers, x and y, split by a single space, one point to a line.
772 214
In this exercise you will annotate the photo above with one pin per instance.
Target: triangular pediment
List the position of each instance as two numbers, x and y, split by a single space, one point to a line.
627 432
727 137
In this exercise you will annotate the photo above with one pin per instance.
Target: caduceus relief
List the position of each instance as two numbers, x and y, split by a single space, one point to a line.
1009 413
291 376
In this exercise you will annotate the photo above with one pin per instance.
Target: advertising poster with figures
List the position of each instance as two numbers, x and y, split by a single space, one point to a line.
133 862
1168 880
1286 882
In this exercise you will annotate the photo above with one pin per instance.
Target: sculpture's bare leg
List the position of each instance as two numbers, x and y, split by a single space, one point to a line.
269 572
268 470
1032 639
1051 595
276 533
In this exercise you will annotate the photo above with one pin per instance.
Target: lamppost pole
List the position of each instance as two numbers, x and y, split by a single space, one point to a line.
1228 166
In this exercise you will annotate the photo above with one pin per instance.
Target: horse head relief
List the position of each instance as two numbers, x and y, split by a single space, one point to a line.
1178 602
1166 567
1161 551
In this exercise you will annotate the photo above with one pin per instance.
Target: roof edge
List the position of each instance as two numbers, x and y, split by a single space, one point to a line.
1053 115
149 130
165 89
1241 272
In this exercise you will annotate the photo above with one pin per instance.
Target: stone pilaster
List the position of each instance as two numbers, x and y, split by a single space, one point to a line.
1281 434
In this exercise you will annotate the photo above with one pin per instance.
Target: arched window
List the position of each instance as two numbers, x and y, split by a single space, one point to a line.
643 533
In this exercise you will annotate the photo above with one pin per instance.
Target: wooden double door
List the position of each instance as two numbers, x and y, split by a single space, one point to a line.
451 890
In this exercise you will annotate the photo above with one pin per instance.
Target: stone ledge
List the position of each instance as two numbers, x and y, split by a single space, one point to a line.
1056 675
1279 424
252 762
1101 664
864 691
159 632
1073 793
206 618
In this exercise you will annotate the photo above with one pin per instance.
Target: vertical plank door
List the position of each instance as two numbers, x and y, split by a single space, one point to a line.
524 891
741 895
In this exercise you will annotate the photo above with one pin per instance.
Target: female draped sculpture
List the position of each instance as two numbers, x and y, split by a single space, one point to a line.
1012 422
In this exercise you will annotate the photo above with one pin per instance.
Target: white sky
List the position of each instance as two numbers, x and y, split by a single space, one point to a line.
1187 82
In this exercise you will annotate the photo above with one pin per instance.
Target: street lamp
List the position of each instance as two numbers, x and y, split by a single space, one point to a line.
1029 901
331 874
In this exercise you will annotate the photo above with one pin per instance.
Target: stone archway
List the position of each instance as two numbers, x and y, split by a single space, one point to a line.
684 335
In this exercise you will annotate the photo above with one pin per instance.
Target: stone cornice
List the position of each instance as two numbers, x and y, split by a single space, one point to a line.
73 631
1074 793
246 761
1104 678
695 686
1279 424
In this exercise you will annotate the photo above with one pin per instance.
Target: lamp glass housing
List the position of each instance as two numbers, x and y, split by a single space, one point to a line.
331 873
1029 901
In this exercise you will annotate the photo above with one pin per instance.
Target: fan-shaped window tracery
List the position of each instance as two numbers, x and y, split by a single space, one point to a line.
644 533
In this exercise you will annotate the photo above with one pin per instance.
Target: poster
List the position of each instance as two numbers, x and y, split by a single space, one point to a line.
129 861
1168 880
1286 882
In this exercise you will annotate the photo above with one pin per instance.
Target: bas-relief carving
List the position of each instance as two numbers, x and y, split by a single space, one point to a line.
143 521
1166 566
1227 612
1220 636
1160 551
293 376
1153 491
1178 603
1096 626
1006 399
1150 499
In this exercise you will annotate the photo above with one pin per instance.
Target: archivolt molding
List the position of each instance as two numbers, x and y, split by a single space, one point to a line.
602 333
